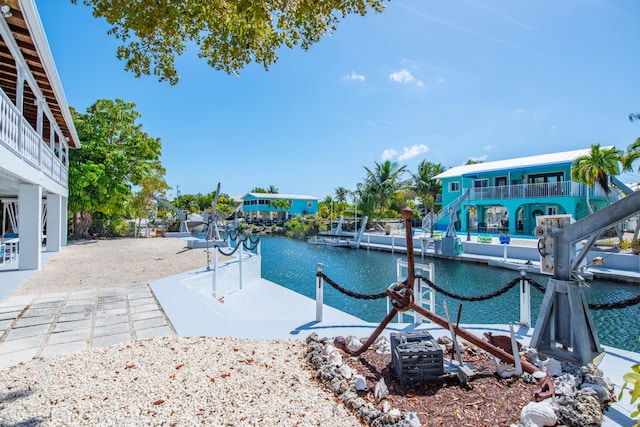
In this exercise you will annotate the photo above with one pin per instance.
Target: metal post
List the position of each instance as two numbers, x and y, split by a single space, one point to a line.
504 251
215 271
393 244
319 293
240 259
525 299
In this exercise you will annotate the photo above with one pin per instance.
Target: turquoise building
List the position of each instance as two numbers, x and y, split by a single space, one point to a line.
261 206
506 196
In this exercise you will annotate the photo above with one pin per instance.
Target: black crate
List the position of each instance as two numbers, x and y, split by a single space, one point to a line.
416 357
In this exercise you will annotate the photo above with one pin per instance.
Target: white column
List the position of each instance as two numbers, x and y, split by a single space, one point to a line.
55 227
30 226
64 214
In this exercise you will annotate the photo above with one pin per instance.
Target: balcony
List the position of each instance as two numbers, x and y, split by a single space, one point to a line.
535 191
19 137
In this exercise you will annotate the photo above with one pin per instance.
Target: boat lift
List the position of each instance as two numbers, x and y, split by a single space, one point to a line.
564 328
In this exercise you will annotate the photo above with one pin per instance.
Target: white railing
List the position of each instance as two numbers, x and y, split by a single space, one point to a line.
19 137
534 191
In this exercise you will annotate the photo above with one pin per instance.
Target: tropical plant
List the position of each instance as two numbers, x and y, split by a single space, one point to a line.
229 34
383 181
596 167
116 156
425 187
633 380
341 194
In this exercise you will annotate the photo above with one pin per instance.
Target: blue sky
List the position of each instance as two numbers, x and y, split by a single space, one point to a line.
445 81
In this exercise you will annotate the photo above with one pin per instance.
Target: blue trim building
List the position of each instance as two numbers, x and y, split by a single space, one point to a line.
506 196
260 206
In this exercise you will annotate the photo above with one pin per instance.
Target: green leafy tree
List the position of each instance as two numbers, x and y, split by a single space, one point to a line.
425 187
280 205
382 182
272 189
341 194
141 205
596 167
228 34
116 156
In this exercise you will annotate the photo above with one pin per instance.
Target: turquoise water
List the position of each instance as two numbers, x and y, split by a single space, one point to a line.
293 264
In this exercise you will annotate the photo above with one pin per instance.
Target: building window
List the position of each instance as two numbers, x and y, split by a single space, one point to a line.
309 203
454 186
481 183
500 181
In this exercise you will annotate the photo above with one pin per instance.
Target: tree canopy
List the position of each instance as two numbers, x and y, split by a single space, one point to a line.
230 34
116 156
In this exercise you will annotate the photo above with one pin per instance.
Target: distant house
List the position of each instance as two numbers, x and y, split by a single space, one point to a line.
36 134
507 195
263 206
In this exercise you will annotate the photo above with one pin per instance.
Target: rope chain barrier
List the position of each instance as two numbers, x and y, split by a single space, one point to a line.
352 294
605 306
494 294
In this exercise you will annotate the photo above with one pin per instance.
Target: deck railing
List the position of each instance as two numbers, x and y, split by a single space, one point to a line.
535 191
19 137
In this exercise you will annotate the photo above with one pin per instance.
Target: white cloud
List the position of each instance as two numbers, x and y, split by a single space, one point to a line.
487 147
389 154
480 158
405 76
413 151
407 152
520 110
354 77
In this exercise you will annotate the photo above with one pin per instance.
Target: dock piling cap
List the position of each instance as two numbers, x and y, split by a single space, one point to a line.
407 213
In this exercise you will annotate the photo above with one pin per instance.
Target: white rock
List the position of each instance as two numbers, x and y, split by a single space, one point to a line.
539 375
354 344
538 414
411 420
328 349
335 358
395 412
359 383
552 367
346 371
380 391
386 406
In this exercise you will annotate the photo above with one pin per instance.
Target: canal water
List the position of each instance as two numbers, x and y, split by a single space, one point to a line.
293 264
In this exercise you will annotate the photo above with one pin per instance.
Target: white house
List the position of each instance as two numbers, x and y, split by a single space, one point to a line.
36 133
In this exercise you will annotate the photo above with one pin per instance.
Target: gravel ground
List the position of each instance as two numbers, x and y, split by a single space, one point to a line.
178 381
89 264
172 382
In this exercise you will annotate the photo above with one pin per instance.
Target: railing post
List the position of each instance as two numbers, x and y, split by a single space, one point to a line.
215 271
319 294
525 299
393 244
240 259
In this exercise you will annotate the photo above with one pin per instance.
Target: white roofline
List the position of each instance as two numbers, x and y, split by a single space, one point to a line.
36 29
281 196
539 160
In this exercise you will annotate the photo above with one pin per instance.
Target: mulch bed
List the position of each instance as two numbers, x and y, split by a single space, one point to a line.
486 400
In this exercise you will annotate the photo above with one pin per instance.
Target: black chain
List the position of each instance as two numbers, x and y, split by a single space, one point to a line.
535 284
604 306
230 253
614 305
499 292
348 292
253 244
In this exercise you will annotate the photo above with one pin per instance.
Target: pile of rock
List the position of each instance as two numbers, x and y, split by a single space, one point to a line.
579 395
346 383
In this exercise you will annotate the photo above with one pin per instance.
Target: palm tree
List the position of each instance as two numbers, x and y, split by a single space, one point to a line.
596 167
341 194
272 189
384 181
632 154
424 186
